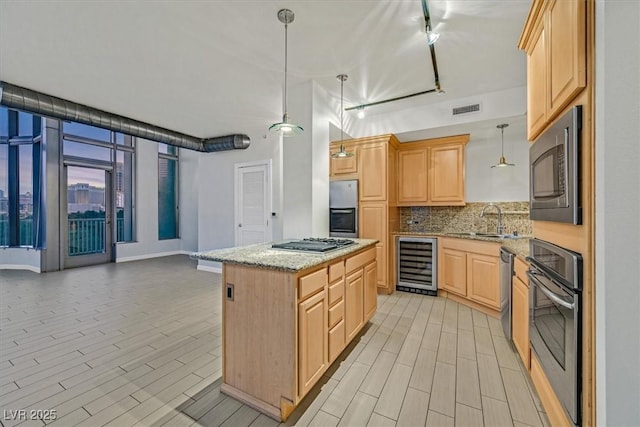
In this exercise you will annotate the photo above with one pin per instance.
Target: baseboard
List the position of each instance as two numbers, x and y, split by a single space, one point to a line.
210 269
20 267
148 256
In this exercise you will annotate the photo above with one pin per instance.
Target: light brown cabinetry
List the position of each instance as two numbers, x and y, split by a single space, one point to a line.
483 279
372 162
446 174
431 172
343 167
470 269
374 225
370 290
412 176
282 329
555 41
520 311
312 343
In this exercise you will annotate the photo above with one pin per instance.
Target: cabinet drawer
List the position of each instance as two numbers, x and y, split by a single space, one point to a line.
336 314
521 268
312 283
336 271
360 260
336 341
336 292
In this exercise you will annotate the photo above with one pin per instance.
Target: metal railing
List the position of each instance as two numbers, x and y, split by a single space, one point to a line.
86 235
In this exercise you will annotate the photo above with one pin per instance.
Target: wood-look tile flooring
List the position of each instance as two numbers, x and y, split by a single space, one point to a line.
139 344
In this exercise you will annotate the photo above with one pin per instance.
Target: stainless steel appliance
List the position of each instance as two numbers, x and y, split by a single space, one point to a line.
506 278
555 171
417 263
343 208
313 244
555 320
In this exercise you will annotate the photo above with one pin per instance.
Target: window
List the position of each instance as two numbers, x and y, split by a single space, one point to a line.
117 151
167 192
20 183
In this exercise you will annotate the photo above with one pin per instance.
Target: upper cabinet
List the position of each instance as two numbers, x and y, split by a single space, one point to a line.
431 172
554 39
343 166
372 162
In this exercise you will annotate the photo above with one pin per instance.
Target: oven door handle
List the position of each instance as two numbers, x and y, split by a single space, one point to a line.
553 297
350 210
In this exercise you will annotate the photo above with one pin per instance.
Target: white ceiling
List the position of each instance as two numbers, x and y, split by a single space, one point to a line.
210 68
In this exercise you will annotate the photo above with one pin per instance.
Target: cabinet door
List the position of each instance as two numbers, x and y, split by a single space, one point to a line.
312 340
354 307
453 276
412 177
370 290
446 175
343 165
536 85
372 163
566 34
483 279
373 225
336 341
520 319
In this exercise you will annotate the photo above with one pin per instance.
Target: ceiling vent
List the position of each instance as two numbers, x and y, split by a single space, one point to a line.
473 108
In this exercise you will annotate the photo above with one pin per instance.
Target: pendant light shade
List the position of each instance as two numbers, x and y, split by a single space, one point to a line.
342 153
285 127
503 161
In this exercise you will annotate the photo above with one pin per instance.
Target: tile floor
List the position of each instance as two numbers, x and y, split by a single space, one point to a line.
139 344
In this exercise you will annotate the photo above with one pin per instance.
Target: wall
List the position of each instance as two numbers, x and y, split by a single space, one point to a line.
20 259
147 244
617 205
486 184
214 185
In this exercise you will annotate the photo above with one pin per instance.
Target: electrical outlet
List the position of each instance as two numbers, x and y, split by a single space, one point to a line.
230 291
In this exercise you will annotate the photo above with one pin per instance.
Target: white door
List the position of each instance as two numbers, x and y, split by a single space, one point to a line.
253 203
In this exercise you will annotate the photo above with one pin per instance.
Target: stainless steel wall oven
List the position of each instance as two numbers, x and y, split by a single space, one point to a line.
555 322
555 171
343 208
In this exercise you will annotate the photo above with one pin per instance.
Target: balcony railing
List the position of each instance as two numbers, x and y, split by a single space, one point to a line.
86 235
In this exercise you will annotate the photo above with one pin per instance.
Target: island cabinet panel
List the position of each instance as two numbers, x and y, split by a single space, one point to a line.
370 290
259 334
483 273
336 302
354 308
312 340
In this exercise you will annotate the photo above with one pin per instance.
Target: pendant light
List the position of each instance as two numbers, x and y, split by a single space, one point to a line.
285 128
502 162
342 153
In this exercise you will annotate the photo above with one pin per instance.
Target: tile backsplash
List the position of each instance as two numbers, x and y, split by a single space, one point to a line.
443 219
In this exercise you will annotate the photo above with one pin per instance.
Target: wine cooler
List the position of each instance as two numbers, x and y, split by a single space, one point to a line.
417 263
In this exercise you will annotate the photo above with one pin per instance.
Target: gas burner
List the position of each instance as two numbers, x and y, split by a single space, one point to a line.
330 241
314 244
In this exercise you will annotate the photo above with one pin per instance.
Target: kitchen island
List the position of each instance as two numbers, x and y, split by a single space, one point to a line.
286 316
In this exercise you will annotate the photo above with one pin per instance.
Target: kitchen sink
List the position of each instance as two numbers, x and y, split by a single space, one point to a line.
481 234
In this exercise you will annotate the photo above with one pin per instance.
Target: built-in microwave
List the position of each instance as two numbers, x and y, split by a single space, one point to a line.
555 171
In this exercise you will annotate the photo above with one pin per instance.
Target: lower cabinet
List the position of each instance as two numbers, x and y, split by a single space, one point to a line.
354 293
520 312
470 269
370 290
313 340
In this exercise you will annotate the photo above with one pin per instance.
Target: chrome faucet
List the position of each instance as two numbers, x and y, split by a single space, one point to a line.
500 227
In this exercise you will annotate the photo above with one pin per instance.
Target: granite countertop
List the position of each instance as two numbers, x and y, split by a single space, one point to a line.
519 246
262 255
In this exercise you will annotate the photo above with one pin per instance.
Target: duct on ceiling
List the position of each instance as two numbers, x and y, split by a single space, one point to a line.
24 99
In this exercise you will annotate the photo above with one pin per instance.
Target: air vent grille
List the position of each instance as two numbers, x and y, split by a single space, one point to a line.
466 109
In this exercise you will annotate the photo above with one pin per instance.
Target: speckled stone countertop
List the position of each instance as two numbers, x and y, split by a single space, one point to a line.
519 246
262 255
